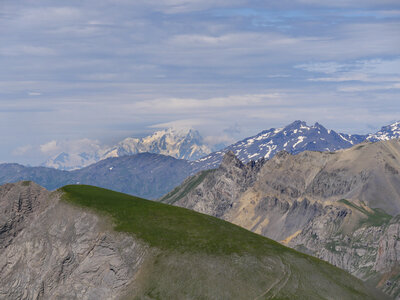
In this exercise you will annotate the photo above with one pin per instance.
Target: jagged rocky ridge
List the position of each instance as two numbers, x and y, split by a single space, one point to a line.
341 207
51 249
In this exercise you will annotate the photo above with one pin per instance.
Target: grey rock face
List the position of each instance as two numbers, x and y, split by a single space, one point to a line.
60 252
227 184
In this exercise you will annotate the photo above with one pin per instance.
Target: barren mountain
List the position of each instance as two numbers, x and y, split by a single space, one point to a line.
339 206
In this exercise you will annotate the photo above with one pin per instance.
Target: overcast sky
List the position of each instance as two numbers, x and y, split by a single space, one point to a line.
107 69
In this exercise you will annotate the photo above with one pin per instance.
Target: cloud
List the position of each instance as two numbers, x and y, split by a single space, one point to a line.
51 147
351 3
34 93
22 150
322 67
19 50
376 74
55 147
369 88
108 69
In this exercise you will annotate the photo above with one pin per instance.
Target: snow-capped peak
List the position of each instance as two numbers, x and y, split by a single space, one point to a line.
293 138
388 132
179 143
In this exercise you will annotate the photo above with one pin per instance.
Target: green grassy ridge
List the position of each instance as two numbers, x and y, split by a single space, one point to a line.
376 218
169 227
203 257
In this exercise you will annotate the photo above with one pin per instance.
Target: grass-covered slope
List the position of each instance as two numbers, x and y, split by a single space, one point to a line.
200 257
188 185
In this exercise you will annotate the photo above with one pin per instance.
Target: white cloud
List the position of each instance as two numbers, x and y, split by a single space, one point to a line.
34 93
383 74
368 88
70 146
19 50
22 150
322 67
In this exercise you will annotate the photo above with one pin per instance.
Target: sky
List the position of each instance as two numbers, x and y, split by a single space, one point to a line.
75 72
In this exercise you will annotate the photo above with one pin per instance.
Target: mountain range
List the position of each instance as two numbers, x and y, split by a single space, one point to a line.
343 206
189 144
339 202
146 175
151 175
295 138
181 144
83 242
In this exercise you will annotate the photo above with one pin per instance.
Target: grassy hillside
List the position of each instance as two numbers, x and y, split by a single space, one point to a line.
200 257
188 185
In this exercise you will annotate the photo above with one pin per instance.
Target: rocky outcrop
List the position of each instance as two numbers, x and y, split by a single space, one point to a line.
227 183
51 250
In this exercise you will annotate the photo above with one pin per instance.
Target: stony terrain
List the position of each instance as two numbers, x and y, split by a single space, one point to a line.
63 245
339 206
51 250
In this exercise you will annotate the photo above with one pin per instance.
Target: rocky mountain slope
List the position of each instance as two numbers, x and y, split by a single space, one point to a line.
181 144
295 138
340 207
83 242
144 174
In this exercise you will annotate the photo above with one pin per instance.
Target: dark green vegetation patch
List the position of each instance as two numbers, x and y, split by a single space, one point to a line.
375 218
188 185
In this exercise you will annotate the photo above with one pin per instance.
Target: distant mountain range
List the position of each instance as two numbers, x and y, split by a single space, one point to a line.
152 175
188 144
181 144
146 175
295 138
